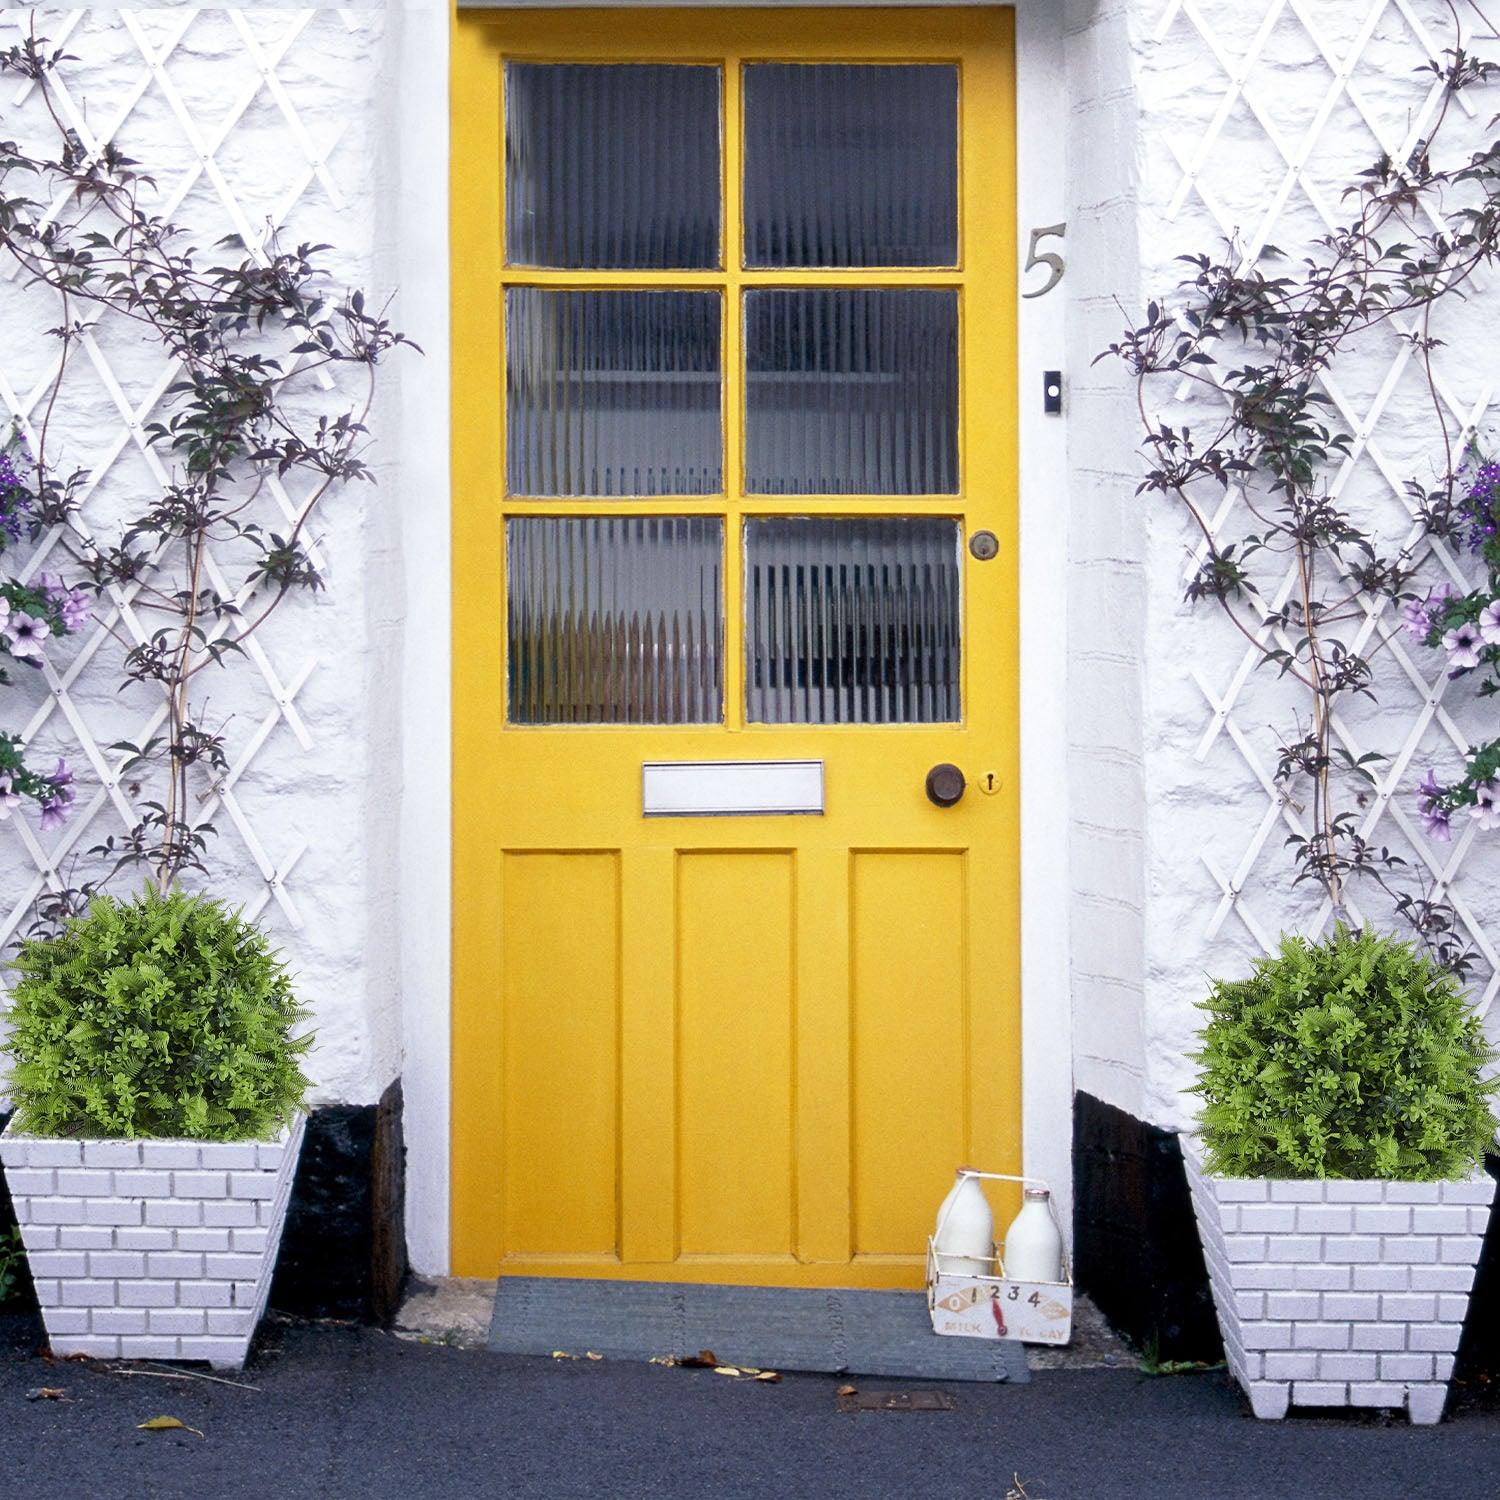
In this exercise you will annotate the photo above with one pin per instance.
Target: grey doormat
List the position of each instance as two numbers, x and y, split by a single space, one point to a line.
772 1328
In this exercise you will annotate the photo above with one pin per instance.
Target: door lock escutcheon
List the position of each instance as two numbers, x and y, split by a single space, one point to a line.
945 784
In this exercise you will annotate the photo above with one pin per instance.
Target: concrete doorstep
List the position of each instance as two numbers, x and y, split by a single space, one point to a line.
456 1311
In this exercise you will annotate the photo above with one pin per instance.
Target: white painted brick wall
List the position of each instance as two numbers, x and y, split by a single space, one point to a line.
1324 1295
151 1249
340 794
1192 797
1146 89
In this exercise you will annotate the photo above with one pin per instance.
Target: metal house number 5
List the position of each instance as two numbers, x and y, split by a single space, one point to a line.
1049 258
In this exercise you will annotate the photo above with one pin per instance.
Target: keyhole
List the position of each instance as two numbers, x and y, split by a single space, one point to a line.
989 783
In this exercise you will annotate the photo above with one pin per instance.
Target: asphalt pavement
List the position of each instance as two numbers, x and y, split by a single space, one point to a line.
346 1412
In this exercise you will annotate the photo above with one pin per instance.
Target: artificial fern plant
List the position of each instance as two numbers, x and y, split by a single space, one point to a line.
1356 1056
165 1015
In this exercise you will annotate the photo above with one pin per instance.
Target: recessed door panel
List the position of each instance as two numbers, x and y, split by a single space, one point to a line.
558 1025
910 1034
736 975
735 1012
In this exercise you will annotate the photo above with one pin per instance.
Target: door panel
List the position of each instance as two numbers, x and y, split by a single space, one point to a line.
559 1034
736 948
734 354
909 1027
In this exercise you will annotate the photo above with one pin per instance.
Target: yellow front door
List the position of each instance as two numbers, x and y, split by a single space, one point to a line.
736 980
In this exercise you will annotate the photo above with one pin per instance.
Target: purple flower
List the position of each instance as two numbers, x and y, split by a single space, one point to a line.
58 803
1435 817
1414 619
1480 506
15 503
1489 623
73 605
1486 808
1462 644
10 799
1418 615
26 635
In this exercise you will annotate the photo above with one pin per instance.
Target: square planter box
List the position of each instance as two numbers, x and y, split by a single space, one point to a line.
1340 1292
152 1249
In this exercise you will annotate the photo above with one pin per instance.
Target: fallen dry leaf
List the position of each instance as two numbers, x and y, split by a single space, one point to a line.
704 1359
773 1376
47 1393
563 1354
165 1424
670 1360
726 1370
592 1355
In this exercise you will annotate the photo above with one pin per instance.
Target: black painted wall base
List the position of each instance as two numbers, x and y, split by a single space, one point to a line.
1135 1243
343 1251
1136 1252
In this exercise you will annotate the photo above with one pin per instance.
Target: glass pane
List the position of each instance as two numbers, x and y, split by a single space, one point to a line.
851 392
612 393
611 165
615 619
851 621
851 165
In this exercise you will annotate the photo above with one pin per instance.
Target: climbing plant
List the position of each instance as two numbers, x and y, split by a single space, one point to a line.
1260 333
252 333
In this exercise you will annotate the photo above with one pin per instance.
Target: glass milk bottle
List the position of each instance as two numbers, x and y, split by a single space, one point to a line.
1033 1243
965 1233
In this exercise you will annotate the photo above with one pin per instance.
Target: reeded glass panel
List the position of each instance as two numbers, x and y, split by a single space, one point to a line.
612 165
615 619
852 621
612 393
851 391
851 164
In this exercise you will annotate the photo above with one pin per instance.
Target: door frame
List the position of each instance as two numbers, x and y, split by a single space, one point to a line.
424 898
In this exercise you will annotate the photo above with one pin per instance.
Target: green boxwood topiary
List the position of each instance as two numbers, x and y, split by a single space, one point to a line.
166 1015
1356 1056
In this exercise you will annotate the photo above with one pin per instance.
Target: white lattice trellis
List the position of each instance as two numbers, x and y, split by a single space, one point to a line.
260 47
1342 103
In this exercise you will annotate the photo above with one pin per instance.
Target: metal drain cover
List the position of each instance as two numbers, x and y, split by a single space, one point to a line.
850 1399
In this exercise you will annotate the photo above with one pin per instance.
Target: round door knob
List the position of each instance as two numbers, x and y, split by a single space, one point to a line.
945 784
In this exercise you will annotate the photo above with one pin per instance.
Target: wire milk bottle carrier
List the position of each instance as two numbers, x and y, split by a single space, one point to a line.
995 1305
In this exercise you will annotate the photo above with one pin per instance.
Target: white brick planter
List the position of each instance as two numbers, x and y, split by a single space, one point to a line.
1340 1293
152 1249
